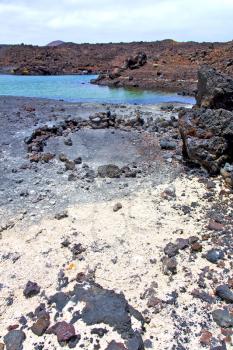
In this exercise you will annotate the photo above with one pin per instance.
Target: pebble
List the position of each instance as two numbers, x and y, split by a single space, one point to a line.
214 255
117 207
61 215
224 293
169 266
223 318
171 250
215 226
68 142
196 247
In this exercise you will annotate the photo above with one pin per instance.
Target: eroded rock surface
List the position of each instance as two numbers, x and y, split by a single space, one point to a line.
207 129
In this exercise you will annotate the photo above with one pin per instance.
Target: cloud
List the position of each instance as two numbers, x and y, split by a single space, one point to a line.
110 20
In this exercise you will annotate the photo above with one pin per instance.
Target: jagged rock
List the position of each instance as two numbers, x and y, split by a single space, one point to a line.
171 250
41 325
207 132
31 289
63 330
207 137
214 89
14 340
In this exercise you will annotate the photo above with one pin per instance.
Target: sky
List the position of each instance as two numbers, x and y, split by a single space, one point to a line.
42 21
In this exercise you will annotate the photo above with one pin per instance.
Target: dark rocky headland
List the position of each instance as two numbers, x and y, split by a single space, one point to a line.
116 220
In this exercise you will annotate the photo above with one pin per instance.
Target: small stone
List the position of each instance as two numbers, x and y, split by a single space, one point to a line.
171 249
41 325
72 177
193 239
115 346
78 160
167 144
196 247
63 330
99 331
14 340
61 215
169 266
224 293
31 289
77 249
110 170
182 243
63 157
70 165
170 191
74 341
223 318
155 303
215 226
68 142
117 207
206 337
214 255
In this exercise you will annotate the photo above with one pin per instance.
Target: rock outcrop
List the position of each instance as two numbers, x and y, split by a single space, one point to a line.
207 129
135 62
214 89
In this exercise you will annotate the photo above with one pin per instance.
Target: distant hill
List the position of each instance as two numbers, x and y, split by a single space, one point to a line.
55 43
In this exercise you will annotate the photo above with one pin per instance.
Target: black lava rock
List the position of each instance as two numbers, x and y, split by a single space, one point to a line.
31 289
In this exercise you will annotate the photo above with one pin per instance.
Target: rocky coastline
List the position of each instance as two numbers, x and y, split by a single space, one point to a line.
165 65
116 222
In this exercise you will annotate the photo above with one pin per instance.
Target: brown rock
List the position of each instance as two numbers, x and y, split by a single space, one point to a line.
117 207
63 330
206 337
196 247
41 325
215 226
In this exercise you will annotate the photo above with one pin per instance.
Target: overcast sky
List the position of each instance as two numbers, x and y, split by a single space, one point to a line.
42 21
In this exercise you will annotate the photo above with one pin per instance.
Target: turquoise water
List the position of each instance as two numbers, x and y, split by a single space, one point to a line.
77 88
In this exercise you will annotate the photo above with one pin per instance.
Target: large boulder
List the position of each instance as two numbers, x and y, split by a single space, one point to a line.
214 90
207 137
207 129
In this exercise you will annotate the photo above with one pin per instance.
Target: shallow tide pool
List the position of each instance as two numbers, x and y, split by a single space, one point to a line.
77 88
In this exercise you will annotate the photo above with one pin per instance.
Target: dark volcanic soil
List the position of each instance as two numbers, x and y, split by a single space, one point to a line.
170 65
